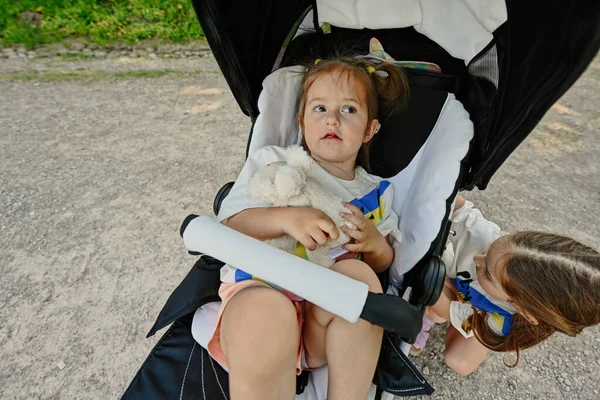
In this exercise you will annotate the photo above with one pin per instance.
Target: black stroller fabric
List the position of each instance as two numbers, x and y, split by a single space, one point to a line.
178 367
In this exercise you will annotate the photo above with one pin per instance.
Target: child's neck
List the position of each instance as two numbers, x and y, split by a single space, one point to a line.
342 170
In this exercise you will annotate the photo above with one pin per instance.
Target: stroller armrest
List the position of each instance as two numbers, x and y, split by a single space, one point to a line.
393 314
343 296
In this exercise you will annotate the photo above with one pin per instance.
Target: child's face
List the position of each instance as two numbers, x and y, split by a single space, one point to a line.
489 270
335 120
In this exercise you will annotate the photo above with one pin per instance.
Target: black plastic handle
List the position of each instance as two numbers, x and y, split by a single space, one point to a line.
393 314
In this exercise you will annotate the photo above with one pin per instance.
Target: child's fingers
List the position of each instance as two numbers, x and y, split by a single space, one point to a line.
328 226
318 235
355 234
308 242
355 210
357 221
354 247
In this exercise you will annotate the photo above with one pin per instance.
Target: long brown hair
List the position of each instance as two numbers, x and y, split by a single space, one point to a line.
387 89
553 278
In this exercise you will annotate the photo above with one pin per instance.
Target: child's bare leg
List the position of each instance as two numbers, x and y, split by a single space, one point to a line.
429 313
259 337
463 355
352 350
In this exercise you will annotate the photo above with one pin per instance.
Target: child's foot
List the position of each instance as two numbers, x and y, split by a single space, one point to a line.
417 348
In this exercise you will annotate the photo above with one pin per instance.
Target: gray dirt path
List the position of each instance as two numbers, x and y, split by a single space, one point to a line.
98 167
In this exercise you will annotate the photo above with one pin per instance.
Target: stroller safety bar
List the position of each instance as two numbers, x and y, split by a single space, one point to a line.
334 292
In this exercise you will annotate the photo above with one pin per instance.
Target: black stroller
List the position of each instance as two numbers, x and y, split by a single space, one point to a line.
503 64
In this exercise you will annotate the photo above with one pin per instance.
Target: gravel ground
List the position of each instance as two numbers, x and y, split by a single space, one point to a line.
100 161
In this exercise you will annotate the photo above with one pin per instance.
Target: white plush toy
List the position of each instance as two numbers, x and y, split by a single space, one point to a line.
288 184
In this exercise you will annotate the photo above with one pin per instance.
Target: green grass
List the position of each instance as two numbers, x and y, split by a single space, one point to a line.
36 22
53 76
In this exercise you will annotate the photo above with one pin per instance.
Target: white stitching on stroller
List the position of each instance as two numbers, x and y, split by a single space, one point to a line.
409 367
397 352
186 370
202 371
217 378
403 390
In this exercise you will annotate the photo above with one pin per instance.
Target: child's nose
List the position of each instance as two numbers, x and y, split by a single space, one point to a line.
332 119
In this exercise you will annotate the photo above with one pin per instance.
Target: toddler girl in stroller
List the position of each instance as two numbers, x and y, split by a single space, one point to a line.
510 292
265 336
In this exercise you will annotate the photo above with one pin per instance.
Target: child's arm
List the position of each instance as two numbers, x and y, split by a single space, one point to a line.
307 225
460 201
376 249
442 307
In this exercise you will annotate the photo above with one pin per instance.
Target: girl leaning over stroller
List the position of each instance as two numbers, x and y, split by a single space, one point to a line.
510 292
266 336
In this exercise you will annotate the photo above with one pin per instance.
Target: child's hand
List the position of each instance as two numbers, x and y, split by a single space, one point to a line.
309 226
366 237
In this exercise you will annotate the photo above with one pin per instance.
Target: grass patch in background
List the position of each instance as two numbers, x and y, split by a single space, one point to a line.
53 76
36 22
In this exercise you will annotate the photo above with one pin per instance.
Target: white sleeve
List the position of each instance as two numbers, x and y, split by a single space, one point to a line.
389 224
459 312
468 222
473 235
238 200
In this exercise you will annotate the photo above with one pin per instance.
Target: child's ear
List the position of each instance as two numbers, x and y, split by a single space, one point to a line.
530 318
372 129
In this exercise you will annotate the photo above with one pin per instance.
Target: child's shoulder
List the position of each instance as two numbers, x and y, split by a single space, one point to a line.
468 218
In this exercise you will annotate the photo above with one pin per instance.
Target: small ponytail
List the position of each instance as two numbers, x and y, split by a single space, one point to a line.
392 87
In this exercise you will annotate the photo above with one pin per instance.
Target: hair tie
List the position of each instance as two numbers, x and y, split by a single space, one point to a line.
370 69
318 60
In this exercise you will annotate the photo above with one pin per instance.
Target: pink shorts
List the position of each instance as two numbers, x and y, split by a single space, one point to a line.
226 292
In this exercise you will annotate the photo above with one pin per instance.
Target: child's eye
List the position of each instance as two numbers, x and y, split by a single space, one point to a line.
319 109
349 109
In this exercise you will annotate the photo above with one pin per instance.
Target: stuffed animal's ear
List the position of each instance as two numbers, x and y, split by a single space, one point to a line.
297 157
289 181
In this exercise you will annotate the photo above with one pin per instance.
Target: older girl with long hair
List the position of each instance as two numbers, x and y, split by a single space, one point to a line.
510 292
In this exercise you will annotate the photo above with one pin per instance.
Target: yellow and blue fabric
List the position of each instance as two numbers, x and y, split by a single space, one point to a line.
468 293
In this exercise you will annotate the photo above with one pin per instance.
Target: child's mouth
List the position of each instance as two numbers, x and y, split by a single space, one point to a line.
331 136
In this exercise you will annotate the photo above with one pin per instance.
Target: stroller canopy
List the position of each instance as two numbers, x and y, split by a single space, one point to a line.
535 52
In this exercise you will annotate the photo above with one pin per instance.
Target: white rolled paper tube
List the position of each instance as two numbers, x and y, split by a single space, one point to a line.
334 292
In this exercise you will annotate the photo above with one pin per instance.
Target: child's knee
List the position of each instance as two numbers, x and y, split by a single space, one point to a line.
263 314
360 271
459 363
